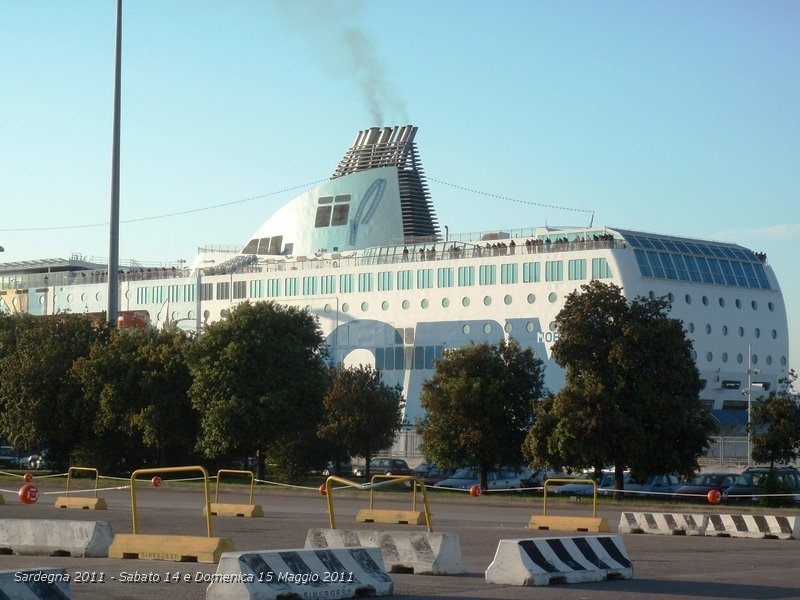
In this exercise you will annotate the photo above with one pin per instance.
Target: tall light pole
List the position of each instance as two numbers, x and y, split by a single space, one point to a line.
749 393
113 235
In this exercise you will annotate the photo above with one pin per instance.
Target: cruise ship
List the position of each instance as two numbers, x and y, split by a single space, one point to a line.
364 252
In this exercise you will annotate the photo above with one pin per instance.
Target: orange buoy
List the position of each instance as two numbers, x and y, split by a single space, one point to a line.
475 491
156 481
27 477
323 491
714 497
28 494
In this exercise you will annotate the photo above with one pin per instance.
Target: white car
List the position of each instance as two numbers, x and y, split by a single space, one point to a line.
584 489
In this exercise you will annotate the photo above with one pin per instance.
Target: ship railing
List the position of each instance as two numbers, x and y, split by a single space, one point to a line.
413 253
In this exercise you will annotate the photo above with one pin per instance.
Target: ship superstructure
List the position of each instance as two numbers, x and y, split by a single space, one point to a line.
364 253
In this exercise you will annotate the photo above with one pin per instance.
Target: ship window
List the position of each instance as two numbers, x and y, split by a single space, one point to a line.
263 246
325 200
342 198
223 290
340 214
239 290
323 216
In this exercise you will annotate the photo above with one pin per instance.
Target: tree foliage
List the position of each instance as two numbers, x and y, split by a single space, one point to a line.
479 405
258 378
362 414
776 426
41 403
631 397
140 382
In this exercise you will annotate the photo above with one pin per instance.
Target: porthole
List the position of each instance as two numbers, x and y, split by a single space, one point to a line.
724 357
406 304
783 361
530 327
691 328
174 315
769 359
552 326
55 299
206 314
688 299
308 308
531 298
190 314
507 300
771 307
345 307
705 300
14 301
385 305
487 328
69 297
694 355
327 308
741 331
774 334
41 299
709 356
722 302
445 302
708 329
487 300
758 332
98 295
425 303
465 301
508 327
651 294
754 305
738 303
465 329
224 313
83 297
364 307
671 298
739 358
552 297
724 330
127 294
755 359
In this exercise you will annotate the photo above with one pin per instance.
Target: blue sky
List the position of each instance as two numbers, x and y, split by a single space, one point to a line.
671 117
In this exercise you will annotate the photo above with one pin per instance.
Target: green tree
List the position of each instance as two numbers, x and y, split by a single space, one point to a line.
631 396
776 426
362 414
258 377
479 405
41 403
140 382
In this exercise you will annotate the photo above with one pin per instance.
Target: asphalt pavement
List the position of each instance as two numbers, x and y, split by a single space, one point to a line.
665 567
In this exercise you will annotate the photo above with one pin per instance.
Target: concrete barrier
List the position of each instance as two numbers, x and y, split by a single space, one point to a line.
35 584
662 523
752 526
50 537
305 573
567 523
179 548
543 561
81 502
221 509
418 552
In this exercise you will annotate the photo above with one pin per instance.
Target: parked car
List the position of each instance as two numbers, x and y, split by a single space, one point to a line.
422 469
437 474
8 457
584 489
334 467
703 483
654 486
753 481
383 466
538 477
498 479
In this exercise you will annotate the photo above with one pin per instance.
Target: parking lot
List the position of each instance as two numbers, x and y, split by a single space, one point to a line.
664 566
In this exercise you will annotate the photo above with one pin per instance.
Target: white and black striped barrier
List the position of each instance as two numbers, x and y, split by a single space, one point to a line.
662 523
418 552
54 537
752 526
544 561
35 584
304 573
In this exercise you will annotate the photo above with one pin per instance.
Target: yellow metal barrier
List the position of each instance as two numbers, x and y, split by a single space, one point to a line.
169 547
374 515
564 523
82 502
235 510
